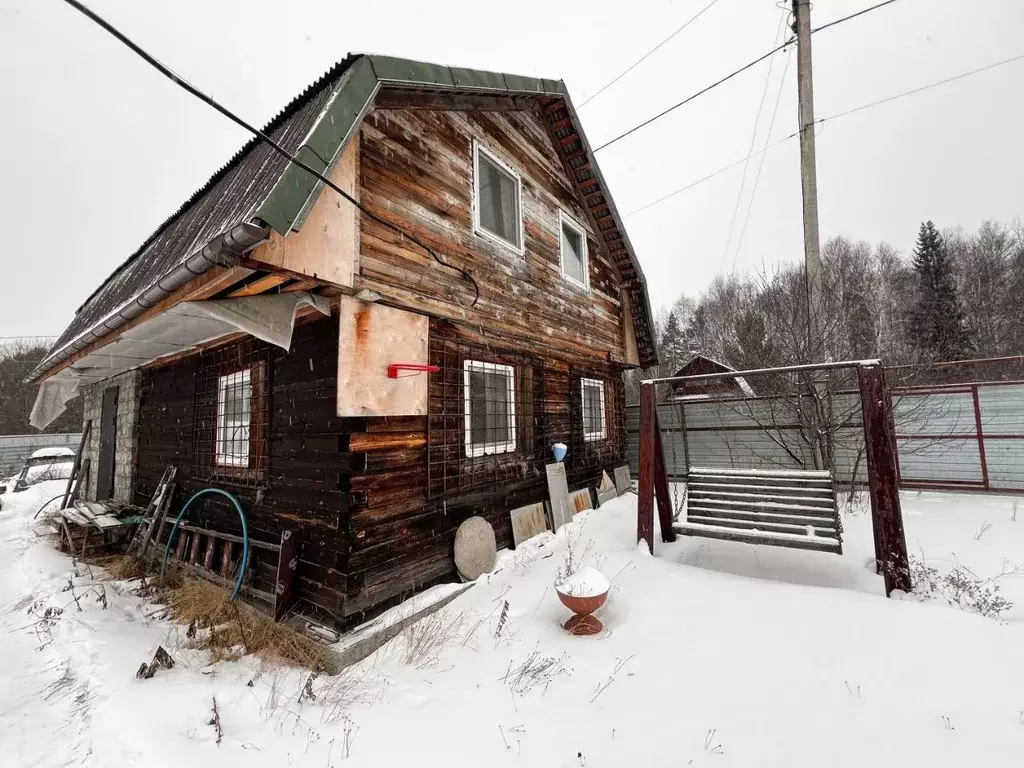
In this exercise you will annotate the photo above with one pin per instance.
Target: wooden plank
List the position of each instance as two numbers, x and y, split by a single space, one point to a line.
208 555
558 495
623 480
262 285
193 555
580 501
225 559
891 557
528 522
645 492
287 563
77 466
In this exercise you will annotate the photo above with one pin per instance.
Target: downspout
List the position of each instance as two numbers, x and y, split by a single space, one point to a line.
225 250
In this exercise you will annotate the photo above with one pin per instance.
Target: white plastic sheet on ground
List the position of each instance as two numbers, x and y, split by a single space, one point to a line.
270 318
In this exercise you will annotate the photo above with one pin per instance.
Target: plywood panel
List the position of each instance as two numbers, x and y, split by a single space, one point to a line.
372 337
326 244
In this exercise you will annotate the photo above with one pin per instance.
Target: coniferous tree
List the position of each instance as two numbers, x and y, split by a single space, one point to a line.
938 322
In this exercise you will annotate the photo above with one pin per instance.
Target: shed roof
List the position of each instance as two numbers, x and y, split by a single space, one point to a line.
258 186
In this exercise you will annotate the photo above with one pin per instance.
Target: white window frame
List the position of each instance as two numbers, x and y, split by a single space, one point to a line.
602 433
222 442
491 448
479 149
565 219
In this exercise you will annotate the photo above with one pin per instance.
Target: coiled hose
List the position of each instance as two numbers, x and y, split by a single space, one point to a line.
245 534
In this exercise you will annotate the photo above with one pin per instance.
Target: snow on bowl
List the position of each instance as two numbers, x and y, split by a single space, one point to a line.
583 593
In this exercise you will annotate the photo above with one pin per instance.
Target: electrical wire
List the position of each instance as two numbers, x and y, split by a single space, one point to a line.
730 76
760 165
688 99
853 16
632 66
836 116
177 80
753 139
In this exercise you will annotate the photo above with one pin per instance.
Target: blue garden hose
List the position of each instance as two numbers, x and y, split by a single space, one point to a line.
245 534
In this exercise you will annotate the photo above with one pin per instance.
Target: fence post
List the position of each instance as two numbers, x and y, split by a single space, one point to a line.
645 483
880 448
661 491
981 436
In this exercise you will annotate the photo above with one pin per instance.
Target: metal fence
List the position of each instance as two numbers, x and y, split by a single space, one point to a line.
14 449
961 436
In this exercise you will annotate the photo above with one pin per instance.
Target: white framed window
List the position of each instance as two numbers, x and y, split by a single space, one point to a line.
592 397
497 200
234 419
573 245
490 394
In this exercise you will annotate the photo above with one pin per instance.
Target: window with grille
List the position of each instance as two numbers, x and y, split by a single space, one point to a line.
231 415
234 419
497 200
490 402
574 250
592 397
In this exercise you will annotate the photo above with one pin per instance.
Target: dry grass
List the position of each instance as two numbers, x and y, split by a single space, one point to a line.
227 628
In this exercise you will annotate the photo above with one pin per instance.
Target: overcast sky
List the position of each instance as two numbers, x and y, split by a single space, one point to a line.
98 149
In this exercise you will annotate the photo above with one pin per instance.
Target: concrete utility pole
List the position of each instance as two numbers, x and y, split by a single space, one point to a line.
809 179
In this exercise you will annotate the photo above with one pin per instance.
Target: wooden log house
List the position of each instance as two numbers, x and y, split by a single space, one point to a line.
479 305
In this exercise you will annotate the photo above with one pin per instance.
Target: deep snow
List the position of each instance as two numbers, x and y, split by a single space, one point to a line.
715 654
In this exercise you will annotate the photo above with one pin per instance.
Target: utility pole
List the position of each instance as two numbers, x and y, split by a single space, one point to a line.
808 180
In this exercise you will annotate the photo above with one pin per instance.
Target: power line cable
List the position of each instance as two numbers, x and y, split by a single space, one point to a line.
688 99
639 61
853 16
764 152
177 80
836 116
730 76
753 139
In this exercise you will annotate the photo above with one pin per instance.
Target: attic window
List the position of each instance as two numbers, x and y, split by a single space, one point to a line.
573 241
497 200
592 396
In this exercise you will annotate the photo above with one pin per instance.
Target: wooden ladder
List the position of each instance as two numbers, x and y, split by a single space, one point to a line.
784 508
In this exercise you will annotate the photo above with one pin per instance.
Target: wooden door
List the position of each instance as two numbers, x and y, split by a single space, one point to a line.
108 441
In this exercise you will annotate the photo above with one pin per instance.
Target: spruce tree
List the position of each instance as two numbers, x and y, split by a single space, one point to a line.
672 345
938 322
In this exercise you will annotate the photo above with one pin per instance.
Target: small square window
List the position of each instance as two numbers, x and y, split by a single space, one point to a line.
573 241
234 418
592 396
490 404
497 200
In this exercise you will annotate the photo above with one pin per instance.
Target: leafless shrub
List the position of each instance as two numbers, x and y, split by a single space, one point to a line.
962 587
980 533
422 643
536 670
215 722
1013 517
947 723
709 744
62 686
575 552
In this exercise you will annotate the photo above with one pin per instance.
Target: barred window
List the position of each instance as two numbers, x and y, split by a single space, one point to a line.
592 397
231 415
490 403
234 419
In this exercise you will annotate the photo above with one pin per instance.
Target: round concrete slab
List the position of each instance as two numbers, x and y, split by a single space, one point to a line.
475 548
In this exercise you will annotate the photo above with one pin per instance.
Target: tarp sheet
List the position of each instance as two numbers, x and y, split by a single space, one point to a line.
184 326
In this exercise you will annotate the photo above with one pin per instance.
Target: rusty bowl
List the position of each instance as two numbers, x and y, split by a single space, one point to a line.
582 623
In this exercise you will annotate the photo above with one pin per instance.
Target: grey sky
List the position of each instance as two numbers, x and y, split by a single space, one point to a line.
99 149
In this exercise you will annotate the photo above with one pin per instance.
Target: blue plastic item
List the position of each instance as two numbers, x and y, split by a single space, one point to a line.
559 450
245 534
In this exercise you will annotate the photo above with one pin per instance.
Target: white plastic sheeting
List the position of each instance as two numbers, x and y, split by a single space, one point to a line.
182 327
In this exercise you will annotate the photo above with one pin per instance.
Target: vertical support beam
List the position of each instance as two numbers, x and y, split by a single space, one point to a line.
886 516
808 178
981 436
287 564
661 491
645 482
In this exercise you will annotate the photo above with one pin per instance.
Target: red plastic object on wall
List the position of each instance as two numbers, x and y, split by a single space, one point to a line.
394 369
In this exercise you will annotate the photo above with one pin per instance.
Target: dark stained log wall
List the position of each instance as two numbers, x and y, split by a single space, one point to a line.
307 466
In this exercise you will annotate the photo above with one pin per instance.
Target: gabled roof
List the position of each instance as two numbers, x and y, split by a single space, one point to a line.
700 365
259 187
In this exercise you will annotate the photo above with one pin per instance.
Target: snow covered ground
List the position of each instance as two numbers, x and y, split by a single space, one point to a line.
714 654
